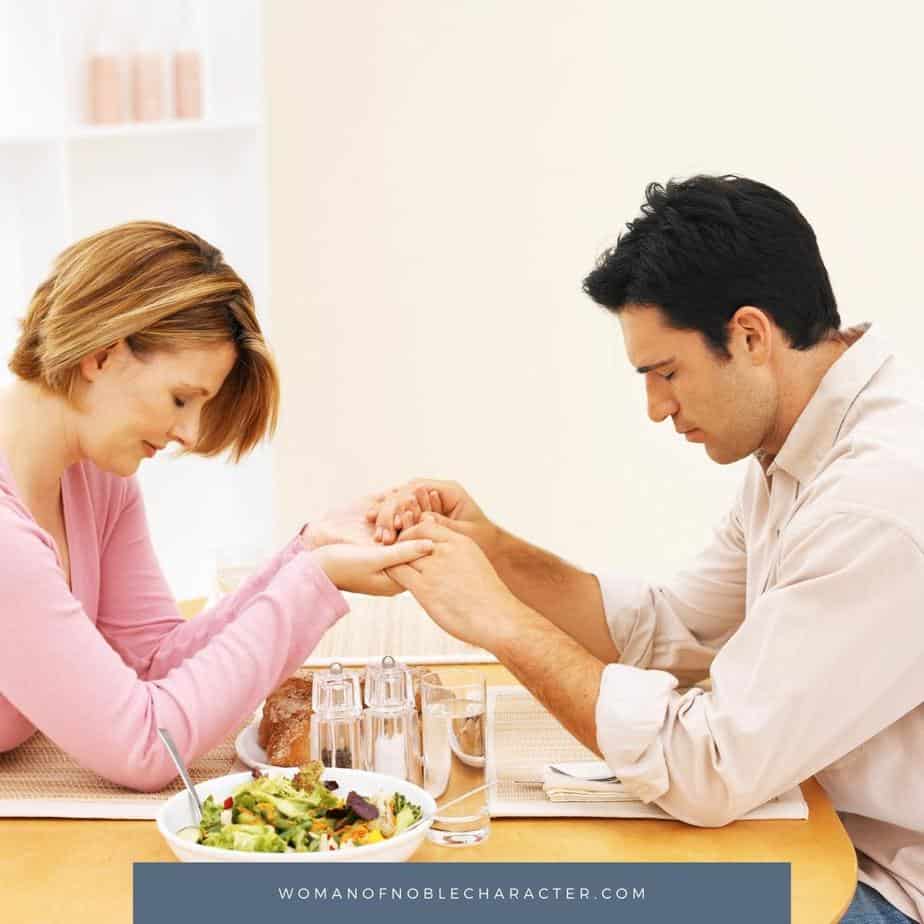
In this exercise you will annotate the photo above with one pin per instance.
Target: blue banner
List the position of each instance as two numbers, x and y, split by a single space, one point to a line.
460 893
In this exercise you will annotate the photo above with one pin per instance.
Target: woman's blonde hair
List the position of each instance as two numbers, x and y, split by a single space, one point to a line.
158 288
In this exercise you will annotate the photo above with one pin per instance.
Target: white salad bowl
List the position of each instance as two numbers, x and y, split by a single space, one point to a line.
176 813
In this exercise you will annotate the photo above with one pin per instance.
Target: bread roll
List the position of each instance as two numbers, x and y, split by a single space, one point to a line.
285 726
288 744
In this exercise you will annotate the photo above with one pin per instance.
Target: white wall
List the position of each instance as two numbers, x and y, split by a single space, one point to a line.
442 177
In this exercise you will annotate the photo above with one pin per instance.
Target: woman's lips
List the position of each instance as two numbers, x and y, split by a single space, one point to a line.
149 449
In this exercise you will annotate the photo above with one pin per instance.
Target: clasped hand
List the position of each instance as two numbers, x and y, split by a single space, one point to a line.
456 584
342 542
428 537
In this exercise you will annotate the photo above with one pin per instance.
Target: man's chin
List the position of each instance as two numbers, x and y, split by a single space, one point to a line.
721 455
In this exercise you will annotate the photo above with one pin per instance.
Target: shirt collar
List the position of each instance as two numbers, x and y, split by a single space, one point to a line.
817 427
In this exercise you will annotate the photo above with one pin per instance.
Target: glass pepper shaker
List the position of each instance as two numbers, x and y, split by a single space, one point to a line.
336 716
390 729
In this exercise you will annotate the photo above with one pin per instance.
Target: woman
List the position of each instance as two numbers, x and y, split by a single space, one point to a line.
141 336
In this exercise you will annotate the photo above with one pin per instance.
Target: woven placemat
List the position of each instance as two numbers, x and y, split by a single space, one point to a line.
522 738
38 780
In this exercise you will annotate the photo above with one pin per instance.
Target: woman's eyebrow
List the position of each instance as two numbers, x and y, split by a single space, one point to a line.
198 388
657 365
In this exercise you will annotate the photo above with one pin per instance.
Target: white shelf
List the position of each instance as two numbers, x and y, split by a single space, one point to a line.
28 138
166 127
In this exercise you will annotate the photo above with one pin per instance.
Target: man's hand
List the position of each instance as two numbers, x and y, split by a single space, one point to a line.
463 594
457 585
402 507
362 569
567 596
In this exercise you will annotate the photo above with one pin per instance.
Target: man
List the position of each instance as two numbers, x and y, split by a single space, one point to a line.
805 610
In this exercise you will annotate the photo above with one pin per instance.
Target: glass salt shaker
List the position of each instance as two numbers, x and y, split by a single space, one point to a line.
336 717
390 728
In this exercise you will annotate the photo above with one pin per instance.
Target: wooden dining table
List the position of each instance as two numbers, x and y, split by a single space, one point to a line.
80 870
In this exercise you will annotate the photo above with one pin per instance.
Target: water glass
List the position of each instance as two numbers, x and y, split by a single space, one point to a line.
453 718
234 564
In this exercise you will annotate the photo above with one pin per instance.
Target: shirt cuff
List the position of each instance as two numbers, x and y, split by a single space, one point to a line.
328 592
631 711
291 550
622 607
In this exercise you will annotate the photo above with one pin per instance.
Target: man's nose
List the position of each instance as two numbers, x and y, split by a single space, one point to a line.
661 402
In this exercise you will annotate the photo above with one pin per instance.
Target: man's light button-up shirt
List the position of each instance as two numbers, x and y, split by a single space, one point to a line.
807 611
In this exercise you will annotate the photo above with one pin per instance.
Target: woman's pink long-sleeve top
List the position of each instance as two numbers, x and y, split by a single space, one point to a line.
100 667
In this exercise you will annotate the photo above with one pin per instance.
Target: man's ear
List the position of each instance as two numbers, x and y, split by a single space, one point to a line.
752 330
93 365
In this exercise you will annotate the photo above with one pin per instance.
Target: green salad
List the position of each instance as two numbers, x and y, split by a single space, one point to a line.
301 815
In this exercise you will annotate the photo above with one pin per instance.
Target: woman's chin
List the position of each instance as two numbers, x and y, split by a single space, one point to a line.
124 466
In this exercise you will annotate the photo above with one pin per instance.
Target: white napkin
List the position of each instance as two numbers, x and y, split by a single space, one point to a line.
583 781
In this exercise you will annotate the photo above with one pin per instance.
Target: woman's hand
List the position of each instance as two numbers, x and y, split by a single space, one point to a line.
361 568
345 524
401 508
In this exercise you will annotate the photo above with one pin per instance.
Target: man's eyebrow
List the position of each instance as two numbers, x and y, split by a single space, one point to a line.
657 365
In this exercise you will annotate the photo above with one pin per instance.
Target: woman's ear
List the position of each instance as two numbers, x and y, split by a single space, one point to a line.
95 364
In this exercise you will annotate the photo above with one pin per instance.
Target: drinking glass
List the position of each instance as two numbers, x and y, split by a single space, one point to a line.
234 564
453 718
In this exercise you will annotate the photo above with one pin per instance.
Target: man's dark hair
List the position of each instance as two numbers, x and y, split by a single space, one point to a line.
705 246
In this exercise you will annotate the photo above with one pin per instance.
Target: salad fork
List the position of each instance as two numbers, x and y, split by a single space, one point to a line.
175 755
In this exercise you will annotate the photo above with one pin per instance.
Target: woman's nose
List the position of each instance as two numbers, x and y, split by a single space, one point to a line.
185 432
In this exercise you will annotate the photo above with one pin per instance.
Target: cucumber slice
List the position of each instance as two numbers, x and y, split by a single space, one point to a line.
190 833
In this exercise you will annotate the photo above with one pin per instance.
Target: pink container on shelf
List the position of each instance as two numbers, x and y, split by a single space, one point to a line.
147 70
187 84
104 89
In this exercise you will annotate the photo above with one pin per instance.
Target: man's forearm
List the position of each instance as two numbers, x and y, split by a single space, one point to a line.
561 673
565 595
